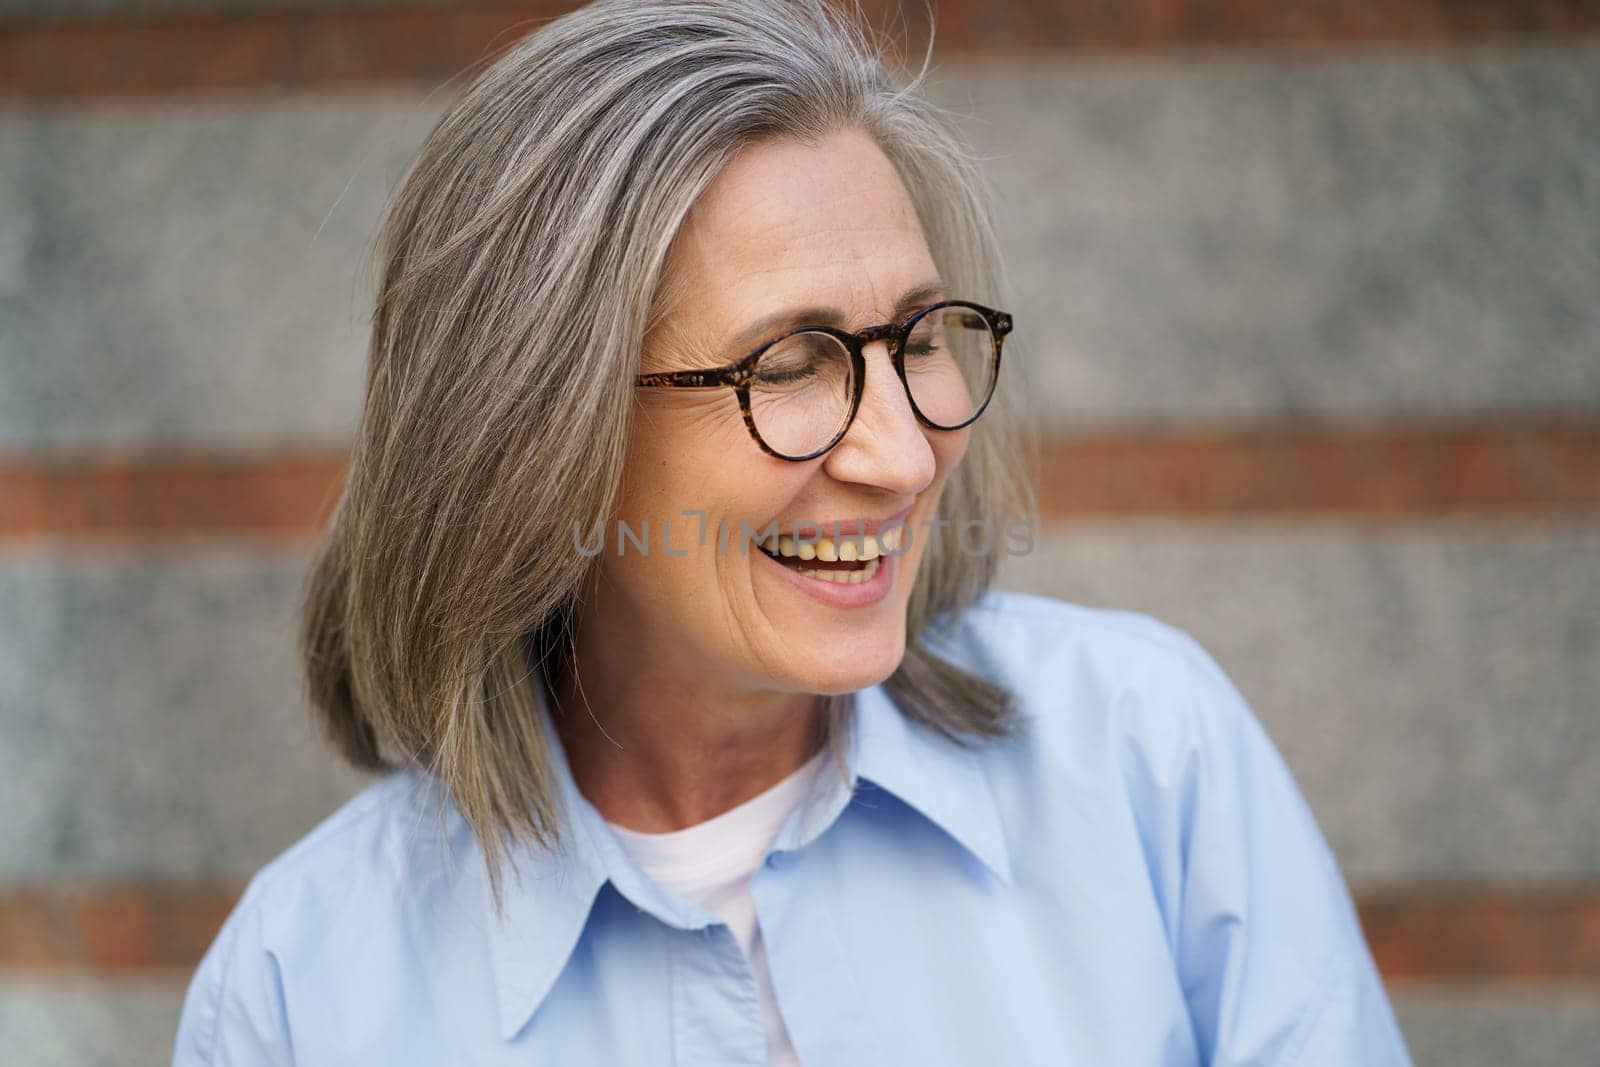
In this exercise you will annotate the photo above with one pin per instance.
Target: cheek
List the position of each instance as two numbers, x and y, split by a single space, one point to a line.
680 451
687 471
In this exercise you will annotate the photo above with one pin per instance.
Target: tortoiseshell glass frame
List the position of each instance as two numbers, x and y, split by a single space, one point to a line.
738 374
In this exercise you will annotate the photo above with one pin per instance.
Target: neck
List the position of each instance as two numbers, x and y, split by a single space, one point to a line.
659 743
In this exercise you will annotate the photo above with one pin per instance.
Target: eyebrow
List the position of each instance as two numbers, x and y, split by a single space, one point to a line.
776 323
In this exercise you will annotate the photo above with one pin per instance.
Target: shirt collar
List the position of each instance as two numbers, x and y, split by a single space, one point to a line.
942 779
548 895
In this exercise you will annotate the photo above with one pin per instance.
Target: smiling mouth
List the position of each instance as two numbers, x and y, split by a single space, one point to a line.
847 560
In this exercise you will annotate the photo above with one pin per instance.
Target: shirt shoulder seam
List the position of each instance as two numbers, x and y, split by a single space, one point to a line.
247 904
1150 630
361 811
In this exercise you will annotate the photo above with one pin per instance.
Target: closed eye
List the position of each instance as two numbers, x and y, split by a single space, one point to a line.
786 377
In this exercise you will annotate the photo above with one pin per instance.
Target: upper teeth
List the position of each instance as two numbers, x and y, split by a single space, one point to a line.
828 549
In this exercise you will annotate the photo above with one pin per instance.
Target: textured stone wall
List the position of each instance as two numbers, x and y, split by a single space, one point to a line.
1392 235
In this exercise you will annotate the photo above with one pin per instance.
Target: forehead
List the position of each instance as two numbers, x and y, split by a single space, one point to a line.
788 223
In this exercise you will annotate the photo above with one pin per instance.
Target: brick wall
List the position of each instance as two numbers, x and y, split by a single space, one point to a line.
1306 297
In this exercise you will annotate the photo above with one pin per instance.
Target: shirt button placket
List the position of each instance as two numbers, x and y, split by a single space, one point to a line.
716 1006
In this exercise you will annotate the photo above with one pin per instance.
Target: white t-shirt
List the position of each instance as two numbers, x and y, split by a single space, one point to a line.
711 863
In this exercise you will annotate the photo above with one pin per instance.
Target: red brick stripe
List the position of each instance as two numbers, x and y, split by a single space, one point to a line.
114 929
1485 933
1422 934
1350 472
276 497
1359 472
135 53
289 49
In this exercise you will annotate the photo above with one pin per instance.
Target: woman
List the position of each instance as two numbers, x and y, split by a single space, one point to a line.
661 579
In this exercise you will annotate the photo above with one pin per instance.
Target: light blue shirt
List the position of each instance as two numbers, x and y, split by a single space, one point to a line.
1133 880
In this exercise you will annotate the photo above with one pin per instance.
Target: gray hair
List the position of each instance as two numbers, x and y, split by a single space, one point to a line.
521 266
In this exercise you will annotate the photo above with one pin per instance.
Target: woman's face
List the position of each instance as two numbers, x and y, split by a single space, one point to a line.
785 226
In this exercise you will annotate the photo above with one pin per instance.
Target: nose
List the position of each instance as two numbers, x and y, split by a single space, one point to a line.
885 447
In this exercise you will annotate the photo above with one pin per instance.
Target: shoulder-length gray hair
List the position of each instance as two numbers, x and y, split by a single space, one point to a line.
521 268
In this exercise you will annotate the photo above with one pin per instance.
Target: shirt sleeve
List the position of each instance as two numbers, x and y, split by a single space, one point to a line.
1269 946
233 1013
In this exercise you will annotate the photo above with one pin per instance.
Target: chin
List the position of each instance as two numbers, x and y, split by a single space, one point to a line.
859 666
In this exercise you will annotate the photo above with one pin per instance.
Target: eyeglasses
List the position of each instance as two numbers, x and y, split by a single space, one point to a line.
800 391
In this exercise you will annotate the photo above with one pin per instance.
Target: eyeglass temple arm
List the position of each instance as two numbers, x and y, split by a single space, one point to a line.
692 379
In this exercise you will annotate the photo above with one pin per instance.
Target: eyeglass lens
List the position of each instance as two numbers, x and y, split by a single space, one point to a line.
801 388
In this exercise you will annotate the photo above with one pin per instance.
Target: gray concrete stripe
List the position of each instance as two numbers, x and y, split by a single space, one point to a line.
90 1023
1197 238
1493 1026
1432 685
1340 236
193 274
152 715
